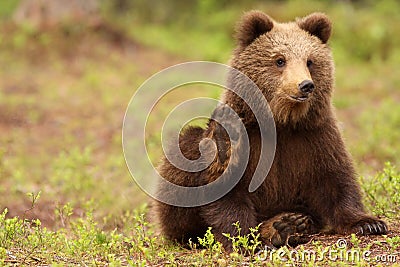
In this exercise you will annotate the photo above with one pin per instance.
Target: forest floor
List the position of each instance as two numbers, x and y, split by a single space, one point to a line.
62 101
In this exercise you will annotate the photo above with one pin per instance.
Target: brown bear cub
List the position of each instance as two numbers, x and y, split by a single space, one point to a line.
311 186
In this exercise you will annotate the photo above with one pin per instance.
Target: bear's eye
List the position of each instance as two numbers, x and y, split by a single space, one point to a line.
309 63
280 62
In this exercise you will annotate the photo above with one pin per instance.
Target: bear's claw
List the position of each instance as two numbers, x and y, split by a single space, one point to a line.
371 228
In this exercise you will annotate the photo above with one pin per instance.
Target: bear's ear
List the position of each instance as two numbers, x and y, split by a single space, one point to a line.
252 25
317 24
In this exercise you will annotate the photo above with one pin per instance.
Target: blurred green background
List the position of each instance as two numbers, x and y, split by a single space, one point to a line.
69 68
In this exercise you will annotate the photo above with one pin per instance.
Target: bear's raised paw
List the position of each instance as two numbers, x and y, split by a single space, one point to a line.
228 121
226 131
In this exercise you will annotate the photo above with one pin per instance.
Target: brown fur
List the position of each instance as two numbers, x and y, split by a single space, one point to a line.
312 184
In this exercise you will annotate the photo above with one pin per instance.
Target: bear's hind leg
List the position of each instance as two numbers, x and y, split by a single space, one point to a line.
288 229
180 224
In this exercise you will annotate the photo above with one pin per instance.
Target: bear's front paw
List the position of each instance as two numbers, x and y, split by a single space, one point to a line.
287 229
370 226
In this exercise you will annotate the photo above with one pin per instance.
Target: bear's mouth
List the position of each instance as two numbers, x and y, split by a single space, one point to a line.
301 98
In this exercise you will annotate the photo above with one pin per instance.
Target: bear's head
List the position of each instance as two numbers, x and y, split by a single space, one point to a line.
290 62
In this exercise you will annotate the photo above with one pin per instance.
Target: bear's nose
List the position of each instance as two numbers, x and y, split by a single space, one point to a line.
306 86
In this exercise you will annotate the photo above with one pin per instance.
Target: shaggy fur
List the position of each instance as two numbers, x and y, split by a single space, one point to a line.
312 185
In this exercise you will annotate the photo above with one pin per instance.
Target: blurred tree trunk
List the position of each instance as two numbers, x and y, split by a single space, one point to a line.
50 13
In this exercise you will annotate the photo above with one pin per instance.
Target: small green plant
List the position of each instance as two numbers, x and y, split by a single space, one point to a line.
393 242
383 192
34 198
245 244
63 213
212 247
143 238
355 240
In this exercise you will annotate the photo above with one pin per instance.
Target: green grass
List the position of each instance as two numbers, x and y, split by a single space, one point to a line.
66 196
81 241
383 192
